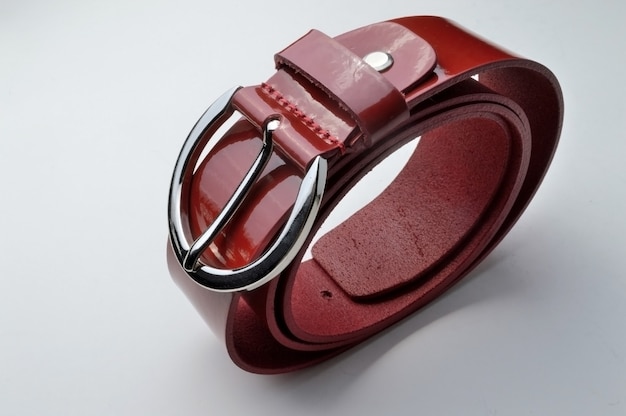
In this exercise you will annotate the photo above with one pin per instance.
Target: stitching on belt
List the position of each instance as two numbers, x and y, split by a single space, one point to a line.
308 121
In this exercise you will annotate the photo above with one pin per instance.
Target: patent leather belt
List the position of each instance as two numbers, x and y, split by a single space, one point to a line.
241 217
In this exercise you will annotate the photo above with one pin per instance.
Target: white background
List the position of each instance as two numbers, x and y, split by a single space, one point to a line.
95 100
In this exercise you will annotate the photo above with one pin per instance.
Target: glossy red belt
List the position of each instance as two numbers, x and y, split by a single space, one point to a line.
242 217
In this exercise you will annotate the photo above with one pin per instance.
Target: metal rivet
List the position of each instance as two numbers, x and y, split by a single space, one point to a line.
378 60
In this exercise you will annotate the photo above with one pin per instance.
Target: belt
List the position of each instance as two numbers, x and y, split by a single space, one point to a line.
246 204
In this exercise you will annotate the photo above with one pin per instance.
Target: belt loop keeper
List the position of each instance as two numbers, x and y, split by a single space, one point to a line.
374 103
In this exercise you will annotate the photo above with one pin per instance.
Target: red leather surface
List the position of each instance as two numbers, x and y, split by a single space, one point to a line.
446 182
372 101
485 146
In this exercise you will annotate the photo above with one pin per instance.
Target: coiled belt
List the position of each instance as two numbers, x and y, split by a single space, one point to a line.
242 216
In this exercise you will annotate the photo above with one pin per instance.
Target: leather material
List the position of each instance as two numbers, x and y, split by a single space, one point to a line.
485 146
372 101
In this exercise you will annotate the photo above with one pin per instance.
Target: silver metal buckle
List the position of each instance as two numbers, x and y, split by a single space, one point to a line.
293 235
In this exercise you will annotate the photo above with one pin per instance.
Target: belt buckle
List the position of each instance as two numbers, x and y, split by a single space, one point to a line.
292 236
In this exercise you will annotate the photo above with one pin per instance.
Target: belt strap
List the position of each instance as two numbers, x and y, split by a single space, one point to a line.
488 124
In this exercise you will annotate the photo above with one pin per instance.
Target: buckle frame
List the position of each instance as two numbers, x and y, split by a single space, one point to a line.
292 236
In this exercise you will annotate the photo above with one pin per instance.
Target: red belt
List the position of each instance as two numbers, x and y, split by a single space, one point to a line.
242 217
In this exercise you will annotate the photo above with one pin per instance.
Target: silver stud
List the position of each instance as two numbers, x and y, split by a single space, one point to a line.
378 60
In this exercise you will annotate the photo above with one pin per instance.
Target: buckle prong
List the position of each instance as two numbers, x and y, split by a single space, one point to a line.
293 235
207 237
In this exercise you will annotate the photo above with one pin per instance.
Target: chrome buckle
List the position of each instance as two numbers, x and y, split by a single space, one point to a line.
293 235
